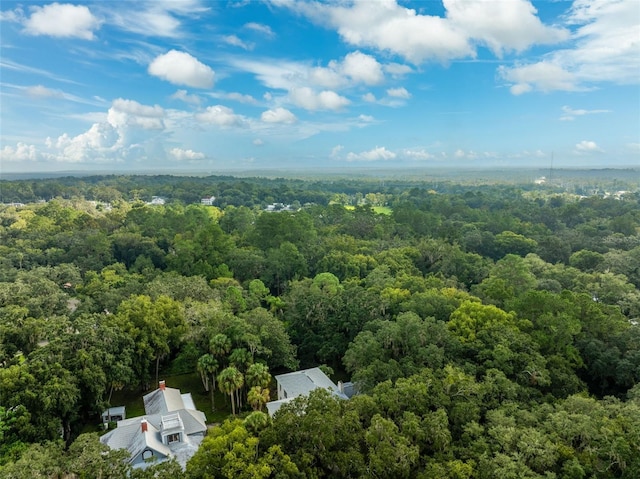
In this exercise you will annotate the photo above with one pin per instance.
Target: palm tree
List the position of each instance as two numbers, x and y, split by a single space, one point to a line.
258 375
231 381
220 345
258 397
207 367
240 358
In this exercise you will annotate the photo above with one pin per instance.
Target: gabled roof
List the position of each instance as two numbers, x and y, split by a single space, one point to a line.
129 435
167 411
303 382
162 401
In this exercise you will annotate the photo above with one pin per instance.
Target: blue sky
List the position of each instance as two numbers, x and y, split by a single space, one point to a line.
204 86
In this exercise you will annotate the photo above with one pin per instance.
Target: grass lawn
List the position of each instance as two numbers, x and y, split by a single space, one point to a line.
187 383
382 210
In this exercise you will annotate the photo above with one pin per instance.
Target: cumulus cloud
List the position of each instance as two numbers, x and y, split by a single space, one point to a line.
20 153
369 97
308 99
257 142
335 151
502 26
570 114
61 20
355 68
130 113
586 146
362 68
418 154
221 116
128 130
465 155
399 93
604 48
180 68
278 115
376 154
387 26
544 76
186 155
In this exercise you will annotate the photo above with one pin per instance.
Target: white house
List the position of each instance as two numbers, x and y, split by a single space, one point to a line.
208 200
171 428
301 383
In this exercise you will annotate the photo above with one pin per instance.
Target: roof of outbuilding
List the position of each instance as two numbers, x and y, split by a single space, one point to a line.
303 382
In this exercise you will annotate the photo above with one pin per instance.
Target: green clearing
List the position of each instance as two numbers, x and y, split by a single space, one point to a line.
381 210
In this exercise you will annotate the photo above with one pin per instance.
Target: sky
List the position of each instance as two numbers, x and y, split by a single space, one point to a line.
204 86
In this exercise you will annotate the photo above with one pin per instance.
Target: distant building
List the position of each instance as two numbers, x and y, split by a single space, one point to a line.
114 414
156 200
279 207
301 383
208 200
171 428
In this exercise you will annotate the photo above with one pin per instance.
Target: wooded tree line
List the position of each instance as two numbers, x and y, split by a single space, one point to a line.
492 331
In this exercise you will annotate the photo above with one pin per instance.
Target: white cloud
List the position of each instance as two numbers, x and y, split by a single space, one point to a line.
466 155
570 114
355 68
21 152
157 18
335 151
544 76
387 26
397 70
366 118
40 91
260 28
241 98
221 116
130 113
635 147
182 95
362 68
369 97
61 20
235 41
418 154
308 99
502 26
376 154
188 155
399 93
605 48
278 115
257 142
586 146
180 68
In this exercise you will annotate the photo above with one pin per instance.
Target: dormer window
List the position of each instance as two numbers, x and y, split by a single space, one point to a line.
171 438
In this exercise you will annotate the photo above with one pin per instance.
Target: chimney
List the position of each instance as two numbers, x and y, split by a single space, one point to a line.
162 385
340 387
143 425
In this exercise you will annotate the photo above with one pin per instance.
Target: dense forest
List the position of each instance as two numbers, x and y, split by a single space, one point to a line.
492 329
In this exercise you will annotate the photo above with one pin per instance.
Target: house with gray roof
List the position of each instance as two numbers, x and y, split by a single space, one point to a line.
301 383
172 427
